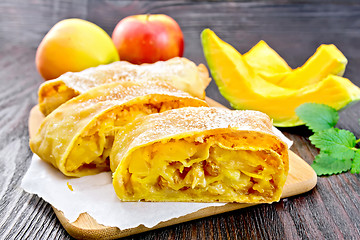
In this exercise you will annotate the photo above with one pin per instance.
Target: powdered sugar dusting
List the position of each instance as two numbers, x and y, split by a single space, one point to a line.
201 119
121 92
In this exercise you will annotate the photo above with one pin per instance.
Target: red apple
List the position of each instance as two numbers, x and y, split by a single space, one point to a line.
148 38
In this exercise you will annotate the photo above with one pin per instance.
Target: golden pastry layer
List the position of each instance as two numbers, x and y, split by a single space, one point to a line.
199 154
77 137
181 73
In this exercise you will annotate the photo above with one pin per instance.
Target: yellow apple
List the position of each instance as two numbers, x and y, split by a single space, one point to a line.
73 45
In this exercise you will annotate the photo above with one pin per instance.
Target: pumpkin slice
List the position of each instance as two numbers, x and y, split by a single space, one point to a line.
267 63
245 89
327 60
262 58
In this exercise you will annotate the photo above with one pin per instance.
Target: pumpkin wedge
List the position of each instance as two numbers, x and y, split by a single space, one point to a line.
245 89
327 59
263 58
267 62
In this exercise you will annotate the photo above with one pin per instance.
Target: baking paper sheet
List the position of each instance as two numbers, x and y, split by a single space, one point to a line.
95 195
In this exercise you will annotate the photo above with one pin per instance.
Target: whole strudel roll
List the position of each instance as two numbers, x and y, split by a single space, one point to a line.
181 73
200 154
77 137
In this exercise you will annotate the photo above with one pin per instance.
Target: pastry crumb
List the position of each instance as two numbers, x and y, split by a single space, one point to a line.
69 186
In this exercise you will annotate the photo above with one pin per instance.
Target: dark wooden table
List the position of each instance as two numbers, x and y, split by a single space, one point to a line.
295 30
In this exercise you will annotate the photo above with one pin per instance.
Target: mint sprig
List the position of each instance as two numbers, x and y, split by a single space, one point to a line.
317 117
355 166
335 142
338 152
326 164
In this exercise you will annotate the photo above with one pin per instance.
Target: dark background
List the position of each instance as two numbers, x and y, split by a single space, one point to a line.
293 28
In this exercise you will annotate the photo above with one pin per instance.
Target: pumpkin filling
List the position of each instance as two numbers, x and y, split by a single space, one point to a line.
208 170
94 145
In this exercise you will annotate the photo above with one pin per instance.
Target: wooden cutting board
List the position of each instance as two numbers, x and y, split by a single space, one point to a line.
301 178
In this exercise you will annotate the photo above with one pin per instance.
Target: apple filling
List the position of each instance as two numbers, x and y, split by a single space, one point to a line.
207 170
53 95
92 149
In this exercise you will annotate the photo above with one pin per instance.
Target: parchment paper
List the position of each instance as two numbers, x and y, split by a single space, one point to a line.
96 196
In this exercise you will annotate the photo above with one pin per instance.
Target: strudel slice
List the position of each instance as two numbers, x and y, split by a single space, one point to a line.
77 137
181 73
199 154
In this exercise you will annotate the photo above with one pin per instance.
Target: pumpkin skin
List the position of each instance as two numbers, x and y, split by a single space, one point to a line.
245 89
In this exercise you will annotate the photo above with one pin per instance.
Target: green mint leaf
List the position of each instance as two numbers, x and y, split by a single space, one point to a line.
317 117
325 164
335 142
355 167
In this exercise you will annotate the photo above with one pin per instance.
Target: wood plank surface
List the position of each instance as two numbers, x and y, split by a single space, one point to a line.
294 29
301 178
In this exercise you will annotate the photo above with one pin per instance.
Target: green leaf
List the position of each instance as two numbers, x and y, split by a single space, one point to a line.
317 116
335 142
325 164
355 167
